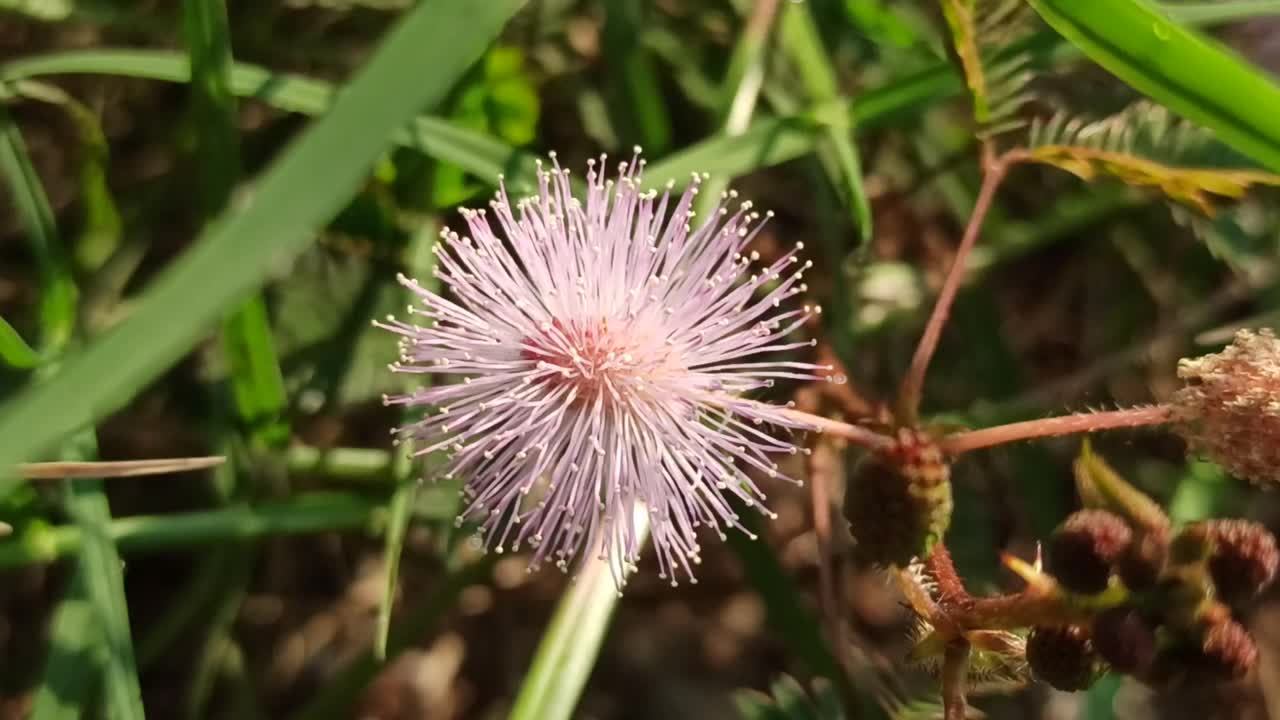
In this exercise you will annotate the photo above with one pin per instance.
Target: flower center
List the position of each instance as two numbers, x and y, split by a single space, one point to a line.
593 358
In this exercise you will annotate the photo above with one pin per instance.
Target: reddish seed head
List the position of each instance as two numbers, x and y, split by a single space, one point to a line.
1242 560
599 352
1125 640
1084 548
1231 406
1064 657
898 501
1226 652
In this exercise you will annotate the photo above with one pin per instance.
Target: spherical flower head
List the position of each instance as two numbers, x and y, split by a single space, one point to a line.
599 354
1243 557
1231 406
1085 547
1064 657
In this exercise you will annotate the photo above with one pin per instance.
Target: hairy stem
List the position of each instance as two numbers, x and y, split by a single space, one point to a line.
856 434
994 170
1048 427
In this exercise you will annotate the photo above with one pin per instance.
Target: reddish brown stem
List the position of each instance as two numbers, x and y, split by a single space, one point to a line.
1047 427
855 434
955 673
994 170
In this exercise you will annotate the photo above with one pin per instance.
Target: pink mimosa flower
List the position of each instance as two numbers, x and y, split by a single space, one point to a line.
600 354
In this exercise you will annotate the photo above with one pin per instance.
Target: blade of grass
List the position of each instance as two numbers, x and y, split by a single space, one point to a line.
256 381
14 351
58 292
104 581
267 227
803 44
568 649
73 646
641 103
1176 66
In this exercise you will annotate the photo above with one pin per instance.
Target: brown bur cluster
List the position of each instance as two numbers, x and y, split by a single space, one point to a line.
1159 600
1123 590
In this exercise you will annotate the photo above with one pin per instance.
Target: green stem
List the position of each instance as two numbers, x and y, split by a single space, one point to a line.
568 650
307 513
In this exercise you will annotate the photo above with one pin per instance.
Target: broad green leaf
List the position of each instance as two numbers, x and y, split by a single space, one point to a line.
266 226
1176 66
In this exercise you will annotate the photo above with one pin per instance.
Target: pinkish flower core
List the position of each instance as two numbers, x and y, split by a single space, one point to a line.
599 353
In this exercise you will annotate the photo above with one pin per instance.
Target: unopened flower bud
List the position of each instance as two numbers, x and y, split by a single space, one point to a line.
1084 548
1242 558
1230 407
1125 639
1064 657
898 502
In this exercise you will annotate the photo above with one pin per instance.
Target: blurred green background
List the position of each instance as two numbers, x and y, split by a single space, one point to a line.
193 243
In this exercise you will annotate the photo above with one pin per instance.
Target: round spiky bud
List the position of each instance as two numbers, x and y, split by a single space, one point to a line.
1139 566
1242 558
1084 548
898 502
1231 406
1064 657
1226 652
1125 639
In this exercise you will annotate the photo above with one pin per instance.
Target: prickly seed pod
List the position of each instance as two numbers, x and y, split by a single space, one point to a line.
898 502
1125 639
1230 407
1064 657
1242 557
1226 652
1140 565
1084 548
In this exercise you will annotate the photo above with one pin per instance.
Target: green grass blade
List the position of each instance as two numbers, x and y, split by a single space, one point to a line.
1176 66
642 105
568 649
76 656
802 42
58 294
267 227
104 582
14 351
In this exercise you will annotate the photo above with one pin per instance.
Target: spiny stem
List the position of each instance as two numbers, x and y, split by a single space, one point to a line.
994 170
1048 427
856 434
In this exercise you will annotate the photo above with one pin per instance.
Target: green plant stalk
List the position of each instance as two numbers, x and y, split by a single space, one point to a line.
305 513
568 649
1176 66
837 149
234 256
